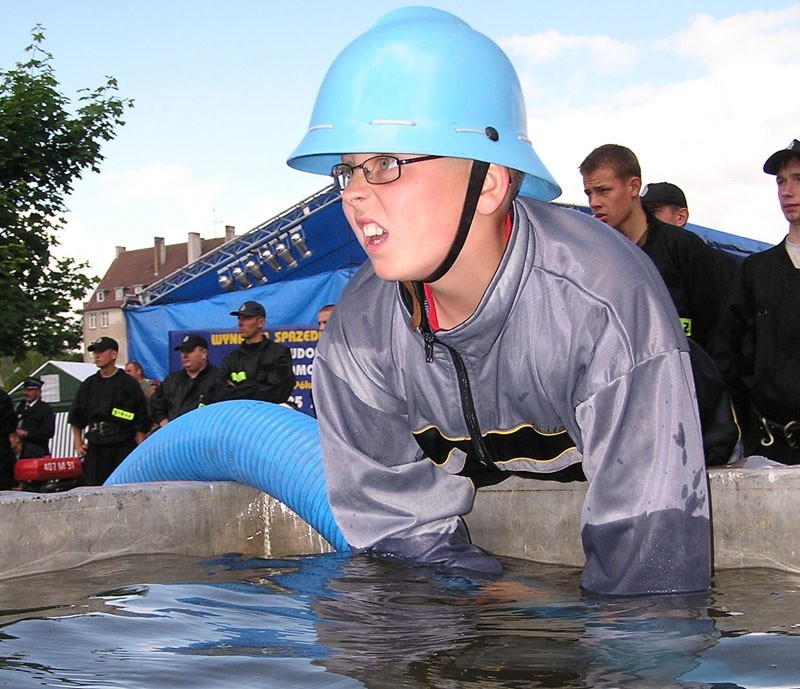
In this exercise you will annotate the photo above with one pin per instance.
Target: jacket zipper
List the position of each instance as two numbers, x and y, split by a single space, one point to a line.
477 441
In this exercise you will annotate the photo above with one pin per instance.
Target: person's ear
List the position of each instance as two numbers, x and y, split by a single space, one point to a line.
683 216
635 186
495 189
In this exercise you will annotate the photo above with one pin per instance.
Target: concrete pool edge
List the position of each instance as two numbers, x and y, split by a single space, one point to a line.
53 531
752 515
529 519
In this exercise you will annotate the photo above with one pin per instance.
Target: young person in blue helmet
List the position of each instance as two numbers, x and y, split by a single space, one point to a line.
490 334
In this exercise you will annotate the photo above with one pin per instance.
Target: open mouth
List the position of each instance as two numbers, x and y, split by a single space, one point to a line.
373 233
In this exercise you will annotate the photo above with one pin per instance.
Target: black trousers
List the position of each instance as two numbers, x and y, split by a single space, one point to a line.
101 460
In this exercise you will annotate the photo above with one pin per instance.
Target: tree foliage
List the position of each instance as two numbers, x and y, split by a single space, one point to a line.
45 146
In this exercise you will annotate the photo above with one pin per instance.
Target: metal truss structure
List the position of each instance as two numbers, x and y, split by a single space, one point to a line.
280 231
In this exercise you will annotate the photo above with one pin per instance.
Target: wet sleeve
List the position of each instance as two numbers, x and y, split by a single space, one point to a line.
385 496
645 523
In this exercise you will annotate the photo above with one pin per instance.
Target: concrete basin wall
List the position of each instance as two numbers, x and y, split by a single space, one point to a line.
55 531
754 522
754 519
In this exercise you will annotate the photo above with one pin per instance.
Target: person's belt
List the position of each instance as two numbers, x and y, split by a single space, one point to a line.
105 428
790 431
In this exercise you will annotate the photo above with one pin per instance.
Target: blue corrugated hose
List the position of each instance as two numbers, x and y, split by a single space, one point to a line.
264 445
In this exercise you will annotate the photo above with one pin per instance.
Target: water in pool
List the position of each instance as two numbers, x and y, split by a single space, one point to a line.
335 621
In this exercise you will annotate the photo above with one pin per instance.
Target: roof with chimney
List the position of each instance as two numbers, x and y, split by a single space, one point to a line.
132 271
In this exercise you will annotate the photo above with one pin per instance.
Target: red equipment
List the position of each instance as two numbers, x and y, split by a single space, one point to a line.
48 474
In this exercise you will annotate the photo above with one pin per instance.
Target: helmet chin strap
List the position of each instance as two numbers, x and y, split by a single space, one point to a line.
477 176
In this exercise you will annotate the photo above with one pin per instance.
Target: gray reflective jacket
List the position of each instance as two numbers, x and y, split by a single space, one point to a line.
575 354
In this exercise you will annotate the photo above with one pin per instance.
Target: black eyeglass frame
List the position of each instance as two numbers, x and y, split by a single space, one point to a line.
340 171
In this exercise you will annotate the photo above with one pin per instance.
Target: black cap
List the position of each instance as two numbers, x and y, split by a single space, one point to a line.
663 194
103 344
777 159
32 383
191 342
250 308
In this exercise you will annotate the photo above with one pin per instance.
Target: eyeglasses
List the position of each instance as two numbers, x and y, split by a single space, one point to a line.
377 170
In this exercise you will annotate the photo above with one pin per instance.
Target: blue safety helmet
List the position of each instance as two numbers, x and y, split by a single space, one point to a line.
422 81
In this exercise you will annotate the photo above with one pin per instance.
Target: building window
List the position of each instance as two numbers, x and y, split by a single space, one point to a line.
101 295
92 321
119 293
104 319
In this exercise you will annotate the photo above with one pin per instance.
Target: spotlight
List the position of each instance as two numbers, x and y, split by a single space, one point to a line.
283 251
299 242
254 269
240 276
270 259
226 282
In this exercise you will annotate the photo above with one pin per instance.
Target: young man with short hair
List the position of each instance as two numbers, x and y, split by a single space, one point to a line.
697 275
111 407
761 330
489 335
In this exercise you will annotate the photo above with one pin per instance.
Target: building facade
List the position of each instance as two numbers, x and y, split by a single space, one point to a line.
131 272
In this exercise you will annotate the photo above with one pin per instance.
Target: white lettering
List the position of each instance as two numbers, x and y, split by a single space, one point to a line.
303 369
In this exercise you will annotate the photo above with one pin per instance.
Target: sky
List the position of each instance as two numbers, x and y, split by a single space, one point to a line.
702 92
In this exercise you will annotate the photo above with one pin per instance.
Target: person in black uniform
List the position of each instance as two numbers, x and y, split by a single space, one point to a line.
760 333
112 408
37 420
8 422
696 275
195 385
259 369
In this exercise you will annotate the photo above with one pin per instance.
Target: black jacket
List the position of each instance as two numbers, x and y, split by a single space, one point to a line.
261 371
39 421
117 401
760 337
697 276
178 393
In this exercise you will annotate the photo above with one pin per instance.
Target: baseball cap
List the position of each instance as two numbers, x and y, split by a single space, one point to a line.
191 342
250 308
103 344
663 194
32 383
777 159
